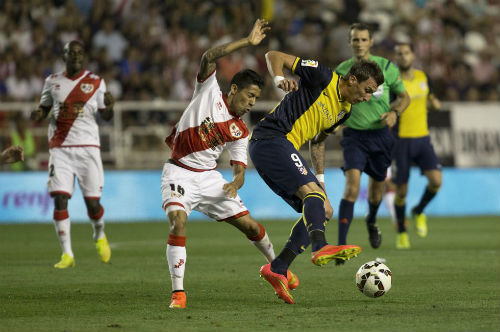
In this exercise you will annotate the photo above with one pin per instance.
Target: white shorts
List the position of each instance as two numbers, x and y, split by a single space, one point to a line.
84 163
200 191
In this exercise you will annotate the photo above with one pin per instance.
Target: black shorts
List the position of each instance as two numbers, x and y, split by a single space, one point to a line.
282 167
368 150
413 150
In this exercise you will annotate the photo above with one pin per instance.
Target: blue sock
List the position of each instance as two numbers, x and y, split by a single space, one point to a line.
313 213
346 212
299 238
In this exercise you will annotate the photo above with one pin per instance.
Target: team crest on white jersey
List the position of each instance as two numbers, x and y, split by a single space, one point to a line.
86 87
309 63
235 130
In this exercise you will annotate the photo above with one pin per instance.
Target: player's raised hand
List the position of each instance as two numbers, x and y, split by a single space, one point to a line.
231 189
12 154
288 85
258 32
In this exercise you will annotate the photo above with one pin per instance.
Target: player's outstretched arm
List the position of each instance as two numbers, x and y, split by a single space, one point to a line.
109 102
276 61
40 113
12 154
208 59
231 188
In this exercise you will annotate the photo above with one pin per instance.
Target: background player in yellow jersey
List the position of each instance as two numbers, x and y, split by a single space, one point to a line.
319 103
413 144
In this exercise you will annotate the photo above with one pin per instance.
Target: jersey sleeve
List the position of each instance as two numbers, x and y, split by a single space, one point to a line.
46 97
312 73
238 151
393 79
100 95
205 83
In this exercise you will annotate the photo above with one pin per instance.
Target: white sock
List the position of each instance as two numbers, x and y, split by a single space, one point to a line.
265 247
176 258
389 203
63 233
98 227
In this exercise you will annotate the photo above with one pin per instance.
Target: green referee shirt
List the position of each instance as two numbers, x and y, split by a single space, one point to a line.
366 115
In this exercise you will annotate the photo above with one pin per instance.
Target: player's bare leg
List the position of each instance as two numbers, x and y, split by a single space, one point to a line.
95 212
176 256
62 226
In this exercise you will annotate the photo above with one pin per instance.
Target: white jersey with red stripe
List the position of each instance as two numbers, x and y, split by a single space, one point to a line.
75 102
206 128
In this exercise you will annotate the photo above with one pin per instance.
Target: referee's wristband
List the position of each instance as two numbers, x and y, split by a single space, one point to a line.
320 177
277 80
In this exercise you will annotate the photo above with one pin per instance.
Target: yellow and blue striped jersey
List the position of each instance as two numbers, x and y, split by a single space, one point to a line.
413 121
316 106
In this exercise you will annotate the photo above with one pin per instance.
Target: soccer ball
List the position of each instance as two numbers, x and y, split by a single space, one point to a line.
374 279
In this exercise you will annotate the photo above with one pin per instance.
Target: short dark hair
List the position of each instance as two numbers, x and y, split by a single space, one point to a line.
364 69
247 77
361 26
409 44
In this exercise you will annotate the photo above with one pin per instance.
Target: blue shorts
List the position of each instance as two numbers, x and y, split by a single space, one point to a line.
368 150
282 167
408 150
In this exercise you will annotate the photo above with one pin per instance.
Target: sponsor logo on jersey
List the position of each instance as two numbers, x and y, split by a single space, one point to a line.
341 114
324 110
379 92
309 63
302 170
209 133
235 130
86 87
423 86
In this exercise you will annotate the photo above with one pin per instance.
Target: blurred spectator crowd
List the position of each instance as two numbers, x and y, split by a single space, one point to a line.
150 49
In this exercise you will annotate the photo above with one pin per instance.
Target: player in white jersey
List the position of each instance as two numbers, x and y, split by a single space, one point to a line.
210 124
75 97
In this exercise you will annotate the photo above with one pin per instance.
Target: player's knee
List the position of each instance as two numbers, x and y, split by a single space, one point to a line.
60 202
177 221
351 193
435 184
93 207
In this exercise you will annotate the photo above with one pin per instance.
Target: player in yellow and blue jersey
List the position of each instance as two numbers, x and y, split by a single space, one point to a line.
313 107
413 145
367 141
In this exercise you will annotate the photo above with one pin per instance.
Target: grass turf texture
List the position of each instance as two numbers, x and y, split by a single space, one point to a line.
448 281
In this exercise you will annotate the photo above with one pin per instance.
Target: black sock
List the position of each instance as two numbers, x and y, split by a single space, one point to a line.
371 219
400 216
426 198
299 238
281 263
318 240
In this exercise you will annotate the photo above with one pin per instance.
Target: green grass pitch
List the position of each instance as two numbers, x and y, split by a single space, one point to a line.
448 281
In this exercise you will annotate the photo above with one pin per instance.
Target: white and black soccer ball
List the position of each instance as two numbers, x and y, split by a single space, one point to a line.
374 279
